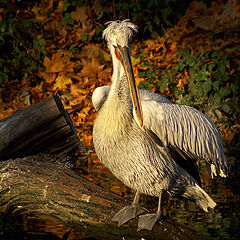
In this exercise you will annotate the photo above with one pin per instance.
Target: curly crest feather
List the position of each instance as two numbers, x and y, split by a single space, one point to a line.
122 31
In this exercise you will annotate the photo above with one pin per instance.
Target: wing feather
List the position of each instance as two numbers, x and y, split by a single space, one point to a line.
186 129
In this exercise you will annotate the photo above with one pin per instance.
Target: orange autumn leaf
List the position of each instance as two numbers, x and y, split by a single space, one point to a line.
183 81
41 11
61 82
91 69
95 50
80 14
84 29
161 46
83 114
137 79
87 139
49 77
77 90
58 63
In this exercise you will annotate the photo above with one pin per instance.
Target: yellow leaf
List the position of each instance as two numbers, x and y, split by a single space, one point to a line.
61 82
135 61
87 139
83 114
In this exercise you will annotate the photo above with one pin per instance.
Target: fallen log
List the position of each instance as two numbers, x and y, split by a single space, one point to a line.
52 200
44 127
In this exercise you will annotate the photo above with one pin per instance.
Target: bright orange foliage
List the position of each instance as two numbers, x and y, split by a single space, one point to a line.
74 75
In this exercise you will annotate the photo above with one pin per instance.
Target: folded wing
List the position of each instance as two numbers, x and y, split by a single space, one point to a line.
185 131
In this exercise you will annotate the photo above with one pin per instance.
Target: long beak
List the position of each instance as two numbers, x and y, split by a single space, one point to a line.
124 55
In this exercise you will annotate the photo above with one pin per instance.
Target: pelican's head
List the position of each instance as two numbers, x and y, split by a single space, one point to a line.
118 35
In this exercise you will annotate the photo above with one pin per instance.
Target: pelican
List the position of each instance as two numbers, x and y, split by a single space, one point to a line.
146 141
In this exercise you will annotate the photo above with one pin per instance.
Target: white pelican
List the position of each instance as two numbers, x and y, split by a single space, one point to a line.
147 142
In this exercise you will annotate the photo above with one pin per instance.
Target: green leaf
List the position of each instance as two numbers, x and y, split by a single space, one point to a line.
186 100
225 92
84 37
211 66
157 20
67 19
189 60
3 27
215 86
206 86
216 53
196 89
202 75
181 65
235 89
5 77
222 67
65 6
225 77
163 82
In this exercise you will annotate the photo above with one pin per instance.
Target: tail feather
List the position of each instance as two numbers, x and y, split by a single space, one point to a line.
194 192
203 199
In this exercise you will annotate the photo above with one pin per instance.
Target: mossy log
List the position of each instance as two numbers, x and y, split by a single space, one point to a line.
44 127
53 201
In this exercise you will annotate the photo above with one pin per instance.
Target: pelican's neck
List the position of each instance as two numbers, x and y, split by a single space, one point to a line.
116 114
119 91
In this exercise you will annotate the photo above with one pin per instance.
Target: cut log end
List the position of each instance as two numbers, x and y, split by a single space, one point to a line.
44 127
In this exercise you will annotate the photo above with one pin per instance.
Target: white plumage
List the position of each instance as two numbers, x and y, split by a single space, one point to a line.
148 142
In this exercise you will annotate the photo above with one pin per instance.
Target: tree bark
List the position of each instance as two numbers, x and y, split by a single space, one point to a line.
44 127
43 191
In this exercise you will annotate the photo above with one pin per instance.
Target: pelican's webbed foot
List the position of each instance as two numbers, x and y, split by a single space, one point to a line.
127 213
148 221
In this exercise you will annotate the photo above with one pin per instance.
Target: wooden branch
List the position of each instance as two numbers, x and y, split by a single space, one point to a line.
41 189
44 127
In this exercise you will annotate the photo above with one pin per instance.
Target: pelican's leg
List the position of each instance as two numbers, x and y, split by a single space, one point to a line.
129 212
148 221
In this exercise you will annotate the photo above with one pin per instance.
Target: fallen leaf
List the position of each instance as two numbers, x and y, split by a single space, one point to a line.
183 80
83 114
84 29
59 62
49 77
80 14
207 23
61 82
94 50
41 11
135 61
91 69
